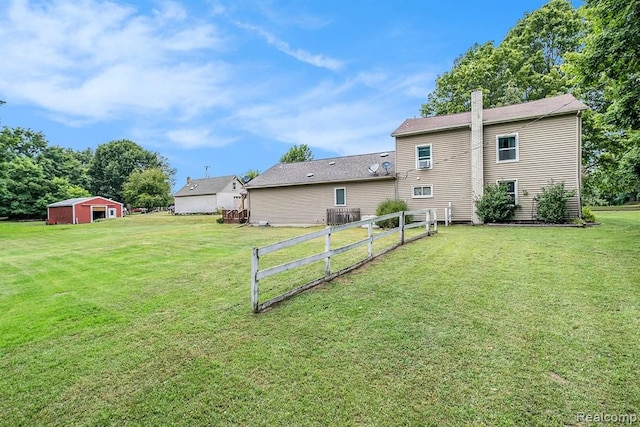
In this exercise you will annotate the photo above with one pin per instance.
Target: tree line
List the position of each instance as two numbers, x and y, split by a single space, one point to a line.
591 52
34 174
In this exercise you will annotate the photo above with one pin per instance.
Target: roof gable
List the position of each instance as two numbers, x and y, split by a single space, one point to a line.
206 186
553 106
336 169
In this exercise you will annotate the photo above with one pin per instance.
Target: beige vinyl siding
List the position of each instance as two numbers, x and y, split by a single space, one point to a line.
450 174
307 204
548 153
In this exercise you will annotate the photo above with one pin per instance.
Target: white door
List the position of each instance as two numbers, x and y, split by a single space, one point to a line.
112 212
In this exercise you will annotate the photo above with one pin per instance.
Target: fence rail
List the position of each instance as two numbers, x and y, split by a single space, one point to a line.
430 223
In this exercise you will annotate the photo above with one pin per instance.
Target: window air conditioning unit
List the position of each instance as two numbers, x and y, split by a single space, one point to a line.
424 164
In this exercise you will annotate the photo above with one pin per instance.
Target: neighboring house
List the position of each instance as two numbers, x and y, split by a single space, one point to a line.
449 159
83 210
301 193
207 195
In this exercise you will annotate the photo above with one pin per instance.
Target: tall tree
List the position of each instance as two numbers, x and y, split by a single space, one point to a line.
526 66
606 74
113 162
297 153
31 174
147 189
609 63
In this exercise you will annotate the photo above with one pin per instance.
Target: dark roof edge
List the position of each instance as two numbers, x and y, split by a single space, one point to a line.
337 181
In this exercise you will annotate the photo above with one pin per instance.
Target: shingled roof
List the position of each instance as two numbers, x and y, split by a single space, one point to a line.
77 200
205 186
557 105
336 169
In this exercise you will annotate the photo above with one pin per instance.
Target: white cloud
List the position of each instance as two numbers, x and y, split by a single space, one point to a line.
90 60
198 138
335 117
317 60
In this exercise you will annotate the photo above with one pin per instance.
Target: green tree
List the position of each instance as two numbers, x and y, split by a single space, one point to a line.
250 174
526 66
33 174
149 188
23 183
609 62
113 162
297 153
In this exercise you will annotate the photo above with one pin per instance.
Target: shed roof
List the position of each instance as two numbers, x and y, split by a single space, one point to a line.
335 169
78 200
205 186
553 106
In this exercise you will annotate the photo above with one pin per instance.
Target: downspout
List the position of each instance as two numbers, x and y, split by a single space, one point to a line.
477 154
579 168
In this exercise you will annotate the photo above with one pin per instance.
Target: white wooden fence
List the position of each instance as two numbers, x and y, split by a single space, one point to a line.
430 223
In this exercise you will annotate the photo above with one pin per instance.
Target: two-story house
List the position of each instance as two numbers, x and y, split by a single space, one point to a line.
449 159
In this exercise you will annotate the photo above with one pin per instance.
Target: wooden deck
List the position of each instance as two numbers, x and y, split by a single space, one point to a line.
235 216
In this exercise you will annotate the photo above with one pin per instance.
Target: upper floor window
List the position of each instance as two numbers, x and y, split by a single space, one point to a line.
507 148
233 186
423 157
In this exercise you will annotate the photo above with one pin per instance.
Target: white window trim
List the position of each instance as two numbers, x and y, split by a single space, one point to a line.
413 196
430 157
517 159
335 196
500 181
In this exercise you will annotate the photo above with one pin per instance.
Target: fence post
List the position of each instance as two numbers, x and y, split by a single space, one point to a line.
370 236
401 223
435 220
428 221
327 249
255 262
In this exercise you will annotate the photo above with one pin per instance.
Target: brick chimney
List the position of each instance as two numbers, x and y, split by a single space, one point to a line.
188 180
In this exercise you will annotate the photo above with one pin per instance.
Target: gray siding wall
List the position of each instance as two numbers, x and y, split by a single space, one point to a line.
548 153
196 204
308 204
450 175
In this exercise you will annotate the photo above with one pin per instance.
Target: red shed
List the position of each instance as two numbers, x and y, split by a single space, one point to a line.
83 210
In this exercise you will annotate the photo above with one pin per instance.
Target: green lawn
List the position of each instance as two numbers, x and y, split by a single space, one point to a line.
147 320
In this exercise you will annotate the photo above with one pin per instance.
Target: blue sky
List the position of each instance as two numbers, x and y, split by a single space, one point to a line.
233 84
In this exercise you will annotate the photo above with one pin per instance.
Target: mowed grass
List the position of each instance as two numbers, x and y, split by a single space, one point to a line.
147 320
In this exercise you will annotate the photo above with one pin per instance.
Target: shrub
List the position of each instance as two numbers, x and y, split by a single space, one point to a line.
587 215
552 203
390 206
220 220
496 205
